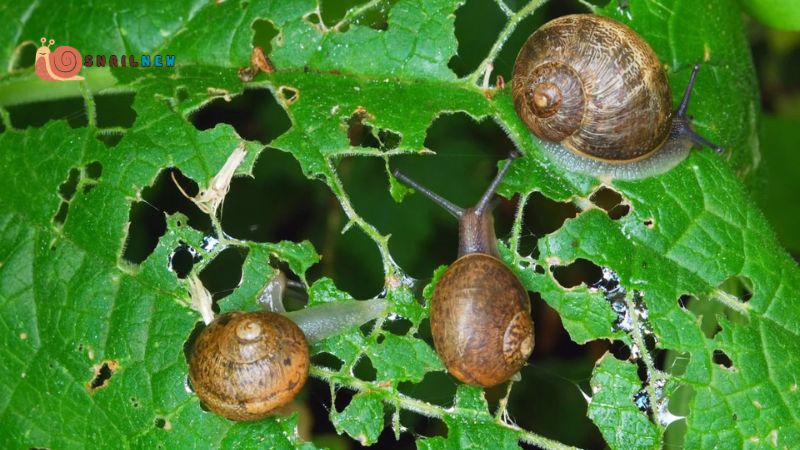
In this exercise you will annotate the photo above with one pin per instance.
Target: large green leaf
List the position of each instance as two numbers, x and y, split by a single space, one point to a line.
72 307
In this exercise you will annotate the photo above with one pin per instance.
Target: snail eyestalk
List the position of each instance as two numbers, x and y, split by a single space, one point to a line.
682 122
436 198
490 191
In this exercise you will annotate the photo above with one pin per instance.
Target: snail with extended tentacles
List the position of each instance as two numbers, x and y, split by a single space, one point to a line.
597 94
62 64
245 365
480 312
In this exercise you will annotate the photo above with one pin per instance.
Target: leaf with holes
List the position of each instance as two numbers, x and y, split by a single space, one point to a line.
98 240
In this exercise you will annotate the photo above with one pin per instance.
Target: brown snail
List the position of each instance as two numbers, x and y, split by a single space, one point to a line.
598 96
480 312
245 365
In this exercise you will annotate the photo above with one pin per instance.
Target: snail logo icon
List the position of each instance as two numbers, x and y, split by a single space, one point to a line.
61 64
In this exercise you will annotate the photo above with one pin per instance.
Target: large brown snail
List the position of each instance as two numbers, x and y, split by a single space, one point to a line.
598 96
245 365
480 312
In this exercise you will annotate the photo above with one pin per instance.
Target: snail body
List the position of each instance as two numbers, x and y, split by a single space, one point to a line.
597 93
480 312
245 365
60 64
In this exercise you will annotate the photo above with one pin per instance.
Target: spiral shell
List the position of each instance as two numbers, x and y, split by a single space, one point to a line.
245 365
593 85
480 320
64 63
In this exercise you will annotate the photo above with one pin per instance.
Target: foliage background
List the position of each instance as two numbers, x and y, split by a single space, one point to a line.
278 203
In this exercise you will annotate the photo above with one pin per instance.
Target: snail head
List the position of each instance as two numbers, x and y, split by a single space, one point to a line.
44 50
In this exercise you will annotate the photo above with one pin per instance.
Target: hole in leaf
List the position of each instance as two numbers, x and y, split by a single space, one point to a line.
224 273
39 113
102 375
343 398
650 223
325 359
24 56
478 24
67 189
333 11
254 114
438 388
620 350
739 286
543 216
115 110
147 217
611 201
147 225
642 401
61 214
288 94
182 260
707 311
109 137
399 326
288 205
671 361
580 271
263 32
361 134
135 402
721 358
364 370
162 423
93 170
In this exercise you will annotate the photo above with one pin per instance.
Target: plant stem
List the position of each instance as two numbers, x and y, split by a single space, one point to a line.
516 229
730 301
355 12
28 88
427 409
653 374
390 268
513 21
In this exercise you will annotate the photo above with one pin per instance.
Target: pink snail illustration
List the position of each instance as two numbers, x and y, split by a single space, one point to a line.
62 64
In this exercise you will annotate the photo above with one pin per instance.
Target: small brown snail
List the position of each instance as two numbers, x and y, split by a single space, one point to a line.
245 365
598 96
480 312
62 64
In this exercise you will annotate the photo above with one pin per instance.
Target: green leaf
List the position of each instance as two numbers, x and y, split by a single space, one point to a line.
391 354
784 14
93 344
362 418
622 424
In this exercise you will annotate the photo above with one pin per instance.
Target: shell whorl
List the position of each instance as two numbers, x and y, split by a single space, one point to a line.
480 320
245 365
625 107
65 61
553 97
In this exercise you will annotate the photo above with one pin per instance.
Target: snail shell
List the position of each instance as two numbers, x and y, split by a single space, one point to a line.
245 365
596 92
480 312
480 320
61 64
